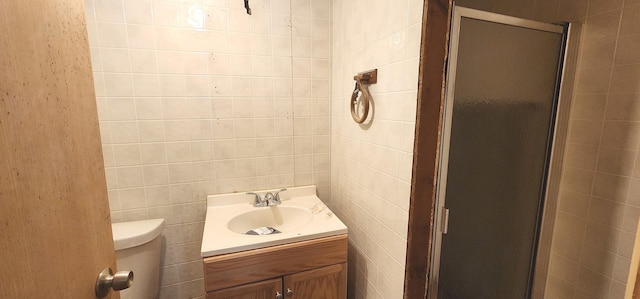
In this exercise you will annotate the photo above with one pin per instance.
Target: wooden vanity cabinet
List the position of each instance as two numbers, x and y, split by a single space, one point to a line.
303 270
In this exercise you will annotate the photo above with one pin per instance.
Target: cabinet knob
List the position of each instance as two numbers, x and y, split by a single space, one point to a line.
289 292
278 295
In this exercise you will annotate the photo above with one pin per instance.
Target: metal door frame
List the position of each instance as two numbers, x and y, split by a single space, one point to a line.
441 215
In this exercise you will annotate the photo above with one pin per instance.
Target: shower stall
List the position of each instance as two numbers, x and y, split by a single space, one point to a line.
502 90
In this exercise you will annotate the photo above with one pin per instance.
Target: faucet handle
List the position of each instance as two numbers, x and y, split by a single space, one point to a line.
257 201
277 194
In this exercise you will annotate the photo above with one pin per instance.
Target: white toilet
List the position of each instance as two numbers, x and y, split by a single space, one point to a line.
137 246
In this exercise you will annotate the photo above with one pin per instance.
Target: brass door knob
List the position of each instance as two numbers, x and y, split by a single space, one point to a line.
289 292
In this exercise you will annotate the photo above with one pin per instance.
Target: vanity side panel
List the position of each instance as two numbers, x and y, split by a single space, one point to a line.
259 264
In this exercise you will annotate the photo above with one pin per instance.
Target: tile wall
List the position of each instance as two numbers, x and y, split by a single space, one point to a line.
371 163
196 97
599 201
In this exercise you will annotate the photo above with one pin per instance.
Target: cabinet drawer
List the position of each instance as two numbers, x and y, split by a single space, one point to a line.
263 289
239 268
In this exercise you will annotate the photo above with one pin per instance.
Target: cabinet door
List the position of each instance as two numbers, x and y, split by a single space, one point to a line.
267 289
323 283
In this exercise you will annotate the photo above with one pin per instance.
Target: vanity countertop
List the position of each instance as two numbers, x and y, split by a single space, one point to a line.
301 216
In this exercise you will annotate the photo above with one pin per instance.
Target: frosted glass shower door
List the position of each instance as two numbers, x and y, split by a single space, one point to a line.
501 103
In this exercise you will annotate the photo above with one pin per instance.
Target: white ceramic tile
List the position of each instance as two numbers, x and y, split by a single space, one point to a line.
263 87
121 108
321 28
301 8
240 65
115 60
129 177
112 34
281 46
143 61
196 86
141 36
171 85
240 43
158 195
166 13
320 68
239 21
260 44
169 38
244 128
215 18
178 152
262 66
146 85
148 108
220 86
138 11
198 107
151 131
174 130
222 129
118 85
180 173
153 153
109 10
124 132
241 86
216 41
155 175
301 47
195 63
266 127
132 198
202 150
193 40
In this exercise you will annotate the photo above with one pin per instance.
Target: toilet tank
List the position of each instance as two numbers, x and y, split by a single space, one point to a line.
137 245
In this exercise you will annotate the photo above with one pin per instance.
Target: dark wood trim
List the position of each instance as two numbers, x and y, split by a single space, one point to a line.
433 57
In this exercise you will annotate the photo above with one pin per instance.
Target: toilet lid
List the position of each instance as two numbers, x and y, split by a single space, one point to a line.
135 233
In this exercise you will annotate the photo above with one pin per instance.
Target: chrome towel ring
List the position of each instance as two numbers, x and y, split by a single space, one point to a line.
363 80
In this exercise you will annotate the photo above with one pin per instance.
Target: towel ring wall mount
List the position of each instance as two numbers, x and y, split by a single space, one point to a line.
363 80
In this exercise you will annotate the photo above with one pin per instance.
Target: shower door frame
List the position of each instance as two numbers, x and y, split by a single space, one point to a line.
441 214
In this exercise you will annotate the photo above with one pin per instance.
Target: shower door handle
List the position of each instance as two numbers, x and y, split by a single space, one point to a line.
445 221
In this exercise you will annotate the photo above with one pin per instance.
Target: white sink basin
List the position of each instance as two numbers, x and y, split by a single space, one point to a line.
284 219
301 216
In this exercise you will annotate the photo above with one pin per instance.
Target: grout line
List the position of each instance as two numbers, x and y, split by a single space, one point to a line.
134 98
116 188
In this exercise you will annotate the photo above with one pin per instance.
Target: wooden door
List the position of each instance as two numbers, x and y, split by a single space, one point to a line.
267 289
55 229
323 283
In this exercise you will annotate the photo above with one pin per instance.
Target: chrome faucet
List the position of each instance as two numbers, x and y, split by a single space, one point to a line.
270 199
273 198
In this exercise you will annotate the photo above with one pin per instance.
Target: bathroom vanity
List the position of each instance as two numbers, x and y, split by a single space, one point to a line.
306 269
305 259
